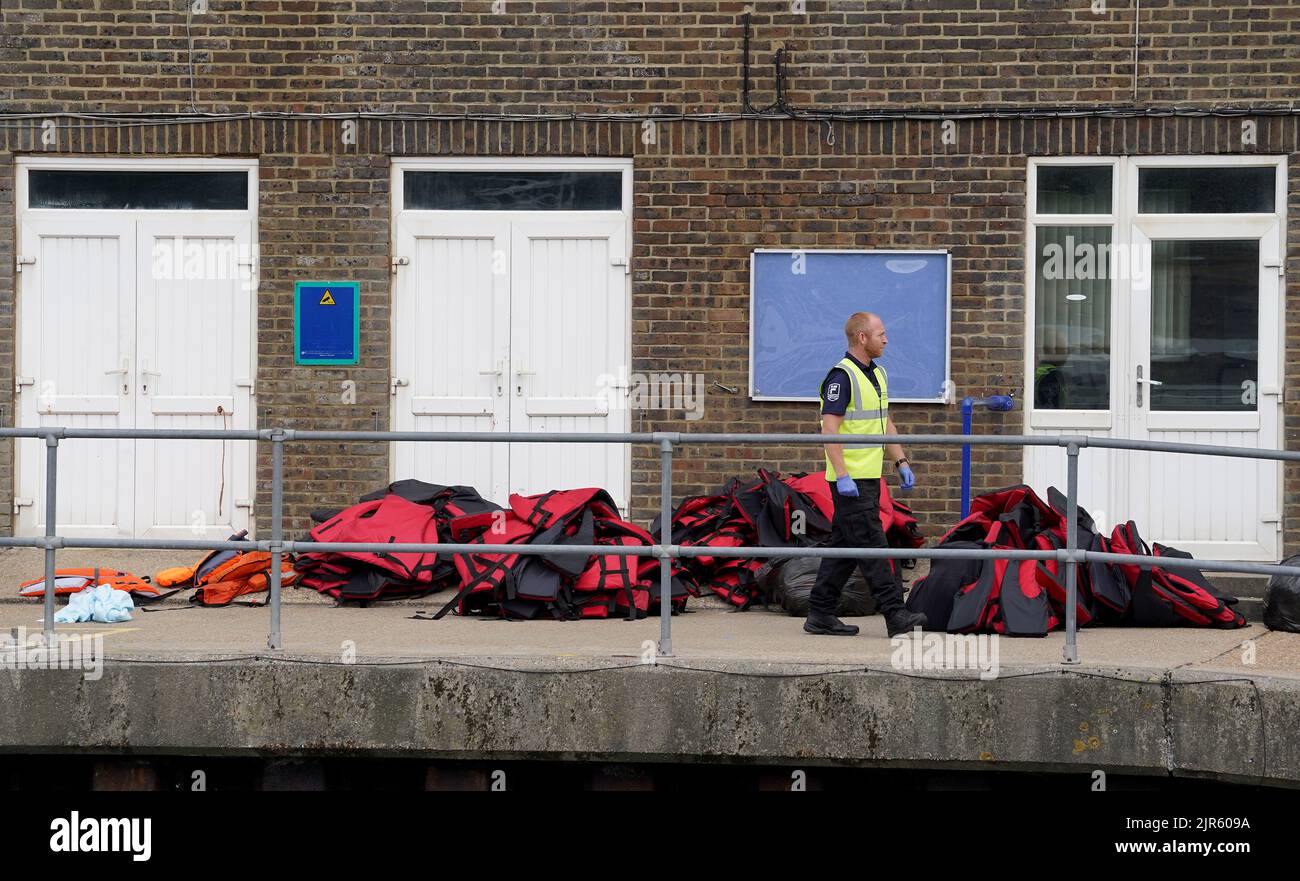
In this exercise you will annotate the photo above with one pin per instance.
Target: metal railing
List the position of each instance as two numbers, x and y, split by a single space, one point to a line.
1070 556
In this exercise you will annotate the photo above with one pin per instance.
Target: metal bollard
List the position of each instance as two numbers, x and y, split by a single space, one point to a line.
666 539
1070 654
277 531
51 496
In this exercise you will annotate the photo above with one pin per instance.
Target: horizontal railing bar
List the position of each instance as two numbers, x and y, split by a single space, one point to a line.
307 547
1181 563
10 542
504 437
302 547
677 438
875 553
1193 449
142 433
165 544
1143 561
918 439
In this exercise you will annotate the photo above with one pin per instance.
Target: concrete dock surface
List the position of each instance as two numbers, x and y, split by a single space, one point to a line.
739 687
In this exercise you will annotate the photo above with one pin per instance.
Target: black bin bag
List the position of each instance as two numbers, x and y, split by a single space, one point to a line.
794 584
1282 600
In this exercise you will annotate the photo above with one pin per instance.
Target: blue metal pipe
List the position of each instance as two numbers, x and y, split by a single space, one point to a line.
1002 403
967 408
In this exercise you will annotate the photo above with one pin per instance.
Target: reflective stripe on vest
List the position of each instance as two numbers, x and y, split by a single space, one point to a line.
868 413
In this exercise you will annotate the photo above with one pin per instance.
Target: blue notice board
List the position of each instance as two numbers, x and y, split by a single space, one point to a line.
326 322
799 301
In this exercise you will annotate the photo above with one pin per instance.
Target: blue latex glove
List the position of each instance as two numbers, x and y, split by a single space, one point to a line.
846 486
908 478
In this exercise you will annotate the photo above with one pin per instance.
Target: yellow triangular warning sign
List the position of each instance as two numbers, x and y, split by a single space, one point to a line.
326 300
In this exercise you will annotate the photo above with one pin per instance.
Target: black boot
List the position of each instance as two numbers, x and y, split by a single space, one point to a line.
904 621
823 624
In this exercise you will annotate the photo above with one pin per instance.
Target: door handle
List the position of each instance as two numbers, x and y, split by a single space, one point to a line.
520 370
1141 382
145 373
499 373
124 370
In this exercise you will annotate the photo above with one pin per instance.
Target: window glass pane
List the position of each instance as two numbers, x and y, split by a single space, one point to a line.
1204 324
514 190
1072 318
1205 190
152 190
1074 189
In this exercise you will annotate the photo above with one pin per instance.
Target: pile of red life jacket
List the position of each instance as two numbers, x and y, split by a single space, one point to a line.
557 585
408 511
521 586
1028 597
772 511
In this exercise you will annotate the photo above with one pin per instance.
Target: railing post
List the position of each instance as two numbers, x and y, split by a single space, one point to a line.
665 538
277 531
1071 653
51 518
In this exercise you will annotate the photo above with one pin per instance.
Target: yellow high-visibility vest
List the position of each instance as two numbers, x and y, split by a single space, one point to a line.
868 413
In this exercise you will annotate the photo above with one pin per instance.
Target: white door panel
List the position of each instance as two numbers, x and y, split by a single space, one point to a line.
116 334
510 321
195 315
567 338
450 338
1210 506
76 342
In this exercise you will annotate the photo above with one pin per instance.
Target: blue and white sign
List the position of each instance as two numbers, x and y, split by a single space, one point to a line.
326 322
799 301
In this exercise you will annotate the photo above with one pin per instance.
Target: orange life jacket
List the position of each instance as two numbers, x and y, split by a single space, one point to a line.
244 573
68 581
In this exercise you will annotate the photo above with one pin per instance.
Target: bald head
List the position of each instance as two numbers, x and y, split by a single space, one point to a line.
865 334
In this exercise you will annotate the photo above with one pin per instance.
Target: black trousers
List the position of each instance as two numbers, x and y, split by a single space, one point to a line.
856 524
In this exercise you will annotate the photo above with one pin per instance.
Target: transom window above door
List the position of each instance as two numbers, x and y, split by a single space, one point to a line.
513 190
126 189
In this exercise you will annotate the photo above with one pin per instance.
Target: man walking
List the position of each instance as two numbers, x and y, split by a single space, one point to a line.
855 400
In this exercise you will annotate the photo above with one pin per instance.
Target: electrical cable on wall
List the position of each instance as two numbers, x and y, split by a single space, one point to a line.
129 120
780 108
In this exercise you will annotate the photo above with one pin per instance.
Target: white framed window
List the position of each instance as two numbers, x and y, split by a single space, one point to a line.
1132 260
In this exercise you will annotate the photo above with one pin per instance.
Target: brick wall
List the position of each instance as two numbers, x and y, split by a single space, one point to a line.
705 195
412 55
706 192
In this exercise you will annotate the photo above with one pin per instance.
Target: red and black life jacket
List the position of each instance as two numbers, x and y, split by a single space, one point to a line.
1006 599
614 572
1108 594
389 520
558 584
1164 597
1051 579
947 577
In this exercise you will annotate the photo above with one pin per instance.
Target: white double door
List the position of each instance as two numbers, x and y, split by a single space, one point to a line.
1195 358
512 321
136 320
